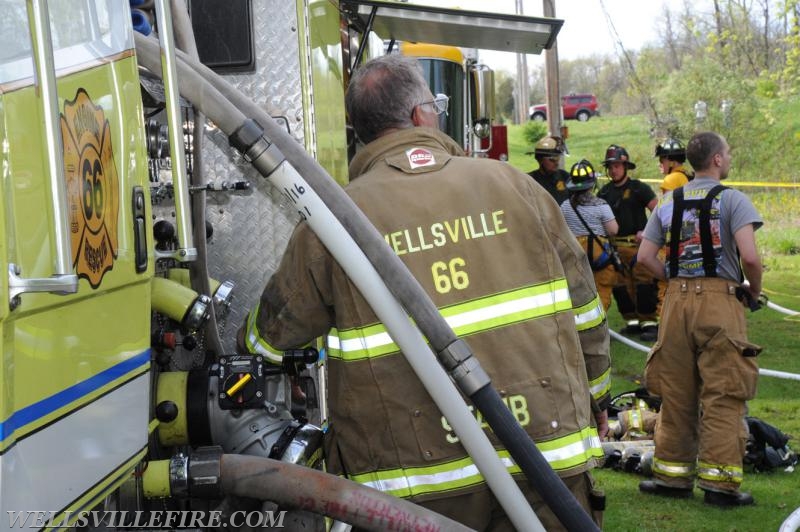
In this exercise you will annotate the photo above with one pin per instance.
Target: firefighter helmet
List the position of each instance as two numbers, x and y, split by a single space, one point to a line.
670 148
581 176
619 154
548 147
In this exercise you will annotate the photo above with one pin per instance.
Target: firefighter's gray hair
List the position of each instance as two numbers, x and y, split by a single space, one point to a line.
702 147
383 93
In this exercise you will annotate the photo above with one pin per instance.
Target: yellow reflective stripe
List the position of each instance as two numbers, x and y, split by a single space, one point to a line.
412 481
358 344
720 473
672 469
465 318
509 307
589 315
562 453
572 450
635 419
256 344
601 385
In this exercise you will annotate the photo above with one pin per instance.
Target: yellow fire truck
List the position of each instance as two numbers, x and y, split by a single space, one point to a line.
135 240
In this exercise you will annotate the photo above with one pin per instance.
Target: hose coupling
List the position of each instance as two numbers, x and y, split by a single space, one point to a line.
464 368
249 140
179 475
205 472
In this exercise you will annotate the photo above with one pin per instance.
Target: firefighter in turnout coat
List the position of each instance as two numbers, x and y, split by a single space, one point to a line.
702 364
492 249
636 292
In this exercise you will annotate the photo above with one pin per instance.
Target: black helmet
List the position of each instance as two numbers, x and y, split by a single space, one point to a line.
672 148
615 154
582 176
548 147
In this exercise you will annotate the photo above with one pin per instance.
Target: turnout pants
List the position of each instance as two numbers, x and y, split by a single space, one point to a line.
636 290
605 278
704 369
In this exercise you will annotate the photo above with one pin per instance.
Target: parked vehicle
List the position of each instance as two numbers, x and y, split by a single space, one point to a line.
573 106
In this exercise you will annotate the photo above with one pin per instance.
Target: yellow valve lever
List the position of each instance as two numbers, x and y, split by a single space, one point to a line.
244 379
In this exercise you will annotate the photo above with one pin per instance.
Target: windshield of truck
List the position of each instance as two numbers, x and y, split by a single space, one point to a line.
82 31
447 77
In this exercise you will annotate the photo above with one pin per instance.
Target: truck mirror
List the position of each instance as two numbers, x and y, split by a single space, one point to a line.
482 79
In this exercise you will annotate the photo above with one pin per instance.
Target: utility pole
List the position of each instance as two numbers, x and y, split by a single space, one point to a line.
522 98
552 90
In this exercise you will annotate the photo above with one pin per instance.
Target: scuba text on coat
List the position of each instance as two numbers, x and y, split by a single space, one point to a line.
517 404
452 273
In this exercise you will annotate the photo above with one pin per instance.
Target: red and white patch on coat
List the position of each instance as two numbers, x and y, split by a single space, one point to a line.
420 157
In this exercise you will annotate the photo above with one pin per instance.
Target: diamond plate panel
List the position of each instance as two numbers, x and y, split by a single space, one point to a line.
251 231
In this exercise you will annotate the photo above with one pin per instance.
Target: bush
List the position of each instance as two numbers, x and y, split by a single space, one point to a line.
532 131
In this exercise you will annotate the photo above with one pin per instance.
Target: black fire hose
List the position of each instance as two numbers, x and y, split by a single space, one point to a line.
455 354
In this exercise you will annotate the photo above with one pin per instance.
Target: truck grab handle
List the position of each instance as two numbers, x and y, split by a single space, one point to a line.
63 281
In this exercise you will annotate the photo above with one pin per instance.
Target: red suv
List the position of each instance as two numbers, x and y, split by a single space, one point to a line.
578 106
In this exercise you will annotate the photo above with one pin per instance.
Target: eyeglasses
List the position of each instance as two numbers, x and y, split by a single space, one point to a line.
440 103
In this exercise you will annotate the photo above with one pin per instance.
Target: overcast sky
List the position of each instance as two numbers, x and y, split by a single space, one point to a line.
585 30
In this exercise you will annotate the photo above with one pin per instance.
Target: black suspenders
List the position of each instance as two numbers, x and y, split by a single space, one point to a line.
704 205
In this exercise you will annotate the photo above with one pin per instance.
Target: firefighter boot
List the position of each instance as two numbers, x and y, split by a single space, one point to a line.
631 328
653 487
649 331
727 499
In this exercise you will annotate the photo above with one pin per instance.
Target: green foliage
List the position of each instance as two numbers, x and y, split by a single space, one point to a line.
504 96
745 125
767 87
532 131
780 235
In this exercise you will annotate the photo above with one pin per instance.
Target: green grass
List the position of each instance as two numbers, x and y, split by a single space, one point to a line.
778 400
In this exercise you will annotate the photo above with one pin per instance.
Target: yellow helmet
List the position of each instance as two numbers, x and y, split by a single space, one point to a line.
673 181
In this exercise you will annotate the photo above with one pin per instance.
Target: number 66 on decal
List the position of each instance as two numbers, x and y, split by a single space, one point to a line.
447 276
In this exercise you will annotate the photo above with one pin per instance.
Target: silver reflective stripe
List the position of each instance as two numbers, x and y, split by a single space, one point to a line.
411 483
673 469
720 473
256 344
373 341
601 385
580 449
508 308
589 315
465 318
562 454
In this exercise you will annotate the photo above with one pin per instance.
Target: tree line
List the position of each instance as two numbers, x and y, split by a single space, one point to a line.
741 58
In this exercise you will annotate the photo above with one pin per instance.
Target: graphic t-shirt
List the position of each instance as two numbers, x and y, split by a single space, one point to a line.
730 211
